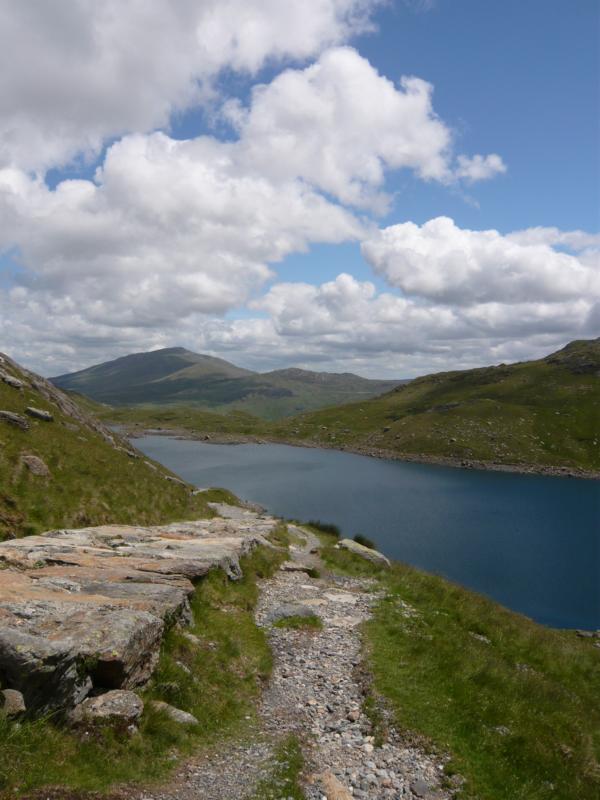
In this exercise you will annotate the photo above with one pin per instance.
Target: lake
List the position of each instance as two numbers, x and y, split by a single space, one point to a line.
530 542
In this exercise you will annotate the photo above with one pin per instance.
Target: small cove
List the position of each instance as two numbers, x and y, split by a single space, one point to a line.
530 542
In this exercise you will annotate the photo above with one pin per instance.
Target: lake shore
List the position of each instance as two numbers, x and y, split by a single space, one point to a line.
135 431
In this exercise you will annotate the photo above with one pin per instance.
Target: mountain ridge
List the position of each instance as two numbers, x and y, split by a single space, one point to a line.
178 376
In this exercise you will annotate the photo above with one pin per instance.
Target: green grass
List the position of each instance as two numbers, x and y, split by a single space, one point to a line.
217 678
90 481
516 705
284 780
543 412
176 376
365 541
184 418
324 527
299 623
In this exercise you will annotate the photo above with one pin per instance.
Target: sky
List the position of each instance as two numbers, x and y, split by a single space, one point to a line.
384 187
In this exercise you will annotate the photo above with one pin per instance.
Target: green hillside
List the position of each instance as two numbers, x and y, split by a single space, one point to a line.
72 471
544 412
176 376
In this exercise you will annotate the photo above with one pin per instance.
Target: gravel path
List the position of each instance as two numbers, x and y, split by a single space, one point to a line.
315 693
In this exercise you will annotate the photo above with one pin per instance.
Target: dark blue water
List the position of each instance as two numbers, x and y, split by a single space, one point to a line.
532 543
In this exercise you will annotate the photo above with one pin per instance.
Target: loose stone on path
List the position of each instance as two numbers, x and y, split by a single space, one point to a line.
315 693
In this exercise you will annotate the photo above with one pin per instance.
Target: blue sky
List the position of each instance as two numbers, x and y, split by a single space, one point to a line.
518 78
254 181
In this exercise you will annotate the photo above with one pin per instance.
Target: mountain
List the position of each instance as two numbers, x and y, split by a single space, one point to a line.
61 467
544 413
177 376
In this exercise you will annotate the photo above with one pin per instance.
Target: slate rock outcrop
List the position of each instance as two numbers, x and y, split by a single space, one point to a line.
374 556
85 610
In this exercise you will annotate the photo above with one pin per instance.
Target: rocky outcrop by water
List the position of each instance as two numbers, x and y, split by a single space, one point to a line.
85 610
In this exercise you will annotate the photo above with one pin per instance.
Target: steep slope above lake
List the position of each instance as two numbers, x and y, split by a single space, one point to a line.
61 467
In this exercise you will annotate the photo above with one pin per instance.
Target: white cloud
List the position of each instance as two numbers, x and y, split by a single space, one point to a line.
171 228
346 325
446 264
573 240
174 229
479 168
173 235
340 124
76 72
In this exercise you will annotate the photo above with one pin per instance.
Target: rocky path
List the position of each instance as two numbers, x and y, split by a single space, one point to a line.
315 694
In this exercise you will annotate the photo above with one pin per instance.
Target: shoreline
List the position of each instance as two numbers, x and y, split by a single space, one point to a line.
132 432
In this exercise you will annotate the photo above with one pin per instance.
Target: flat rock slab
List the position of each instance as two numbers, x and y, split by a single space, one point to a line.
374 556
86 609
287 610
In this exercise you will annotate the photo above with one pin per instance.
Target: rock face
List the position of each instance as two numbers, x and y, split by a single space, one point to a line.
176 714
35 465
117 706
85 609
13 702
39 413
10 380
374 556
287 610
14 419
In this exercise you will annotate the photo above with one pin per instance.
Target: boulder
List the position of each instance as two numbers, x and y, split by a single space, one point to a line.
176 714
13 702
118 707
14 419
39 413
296 566
10 380
374 556
35 465
288 610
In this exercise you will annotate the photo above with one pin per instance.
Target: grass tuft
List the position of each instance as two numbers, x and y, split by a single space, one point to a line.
284 781
325 527
365 541
313 622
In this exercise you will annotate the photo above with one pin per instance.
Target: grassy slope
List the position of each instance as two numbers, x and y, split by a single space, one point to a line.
177 376
91 481
543 412
219 683
516 705
185 418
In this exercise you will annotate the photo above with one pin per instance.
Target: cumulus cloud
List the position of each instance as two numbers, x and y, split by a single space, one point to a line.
347 324
340 124
168 229
479 168
173 236
441 262
74 73
573 240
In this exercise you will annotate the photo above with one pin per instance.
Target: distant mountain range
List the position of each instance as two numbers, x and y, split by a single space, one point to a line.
176 376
